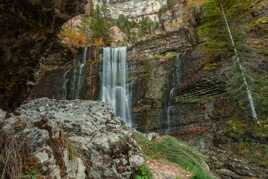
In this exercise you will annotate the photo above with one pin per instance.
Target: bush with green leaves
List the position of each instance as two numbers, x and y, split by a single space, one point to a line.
143 172
147 26
125 24
171 3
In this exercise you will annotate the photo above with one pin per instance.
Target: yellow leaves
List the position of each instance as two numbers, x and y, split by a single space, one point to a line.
210 66
193 3
76 39
99 42
84 31
72 37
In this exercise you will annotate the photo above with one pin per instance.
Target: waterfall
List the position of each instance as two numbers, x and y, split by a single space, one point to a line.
65 84
77 78
115 88
81 70
174 84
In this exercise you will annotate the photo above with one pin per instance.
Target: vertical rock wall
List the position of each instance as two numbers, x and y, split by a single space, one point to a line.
29 37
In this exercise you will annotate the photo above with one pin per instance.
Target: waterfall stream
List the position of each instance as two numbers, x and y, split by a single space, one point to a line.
174 84
115 88
75 82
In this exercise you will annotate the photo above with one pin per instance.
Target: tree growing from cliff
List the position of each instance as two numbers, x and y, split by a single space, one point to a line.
125 24
93 30
147 26
96 26
72 37
223 40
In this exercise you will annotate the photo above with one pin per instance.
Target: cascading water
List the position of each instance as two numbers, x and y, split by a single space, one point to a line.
115 88
174 82
65 84
75 84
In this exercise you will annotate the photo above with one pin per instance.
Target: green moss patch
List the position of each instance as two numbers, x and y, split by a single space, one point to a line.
244 130
143 172
254 153
170 149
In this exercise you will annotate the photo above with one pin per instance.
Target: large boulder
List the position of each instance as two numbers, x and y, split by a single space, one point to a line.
75 139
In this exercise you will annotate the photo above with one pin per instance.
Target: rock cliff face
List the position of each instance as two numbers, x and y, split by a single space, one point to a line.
134 9
152 64
160 73
69 139
29 37
189 105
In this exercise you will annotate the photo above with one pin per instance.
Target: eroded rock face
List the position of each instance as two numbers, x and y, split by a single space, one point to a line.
134 9
150 78
76 139
28 36
117 36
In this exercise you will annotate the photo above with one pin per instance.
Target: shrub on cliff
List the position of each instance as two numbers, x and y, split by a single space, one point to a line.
143 172
171 3
72 38
87 30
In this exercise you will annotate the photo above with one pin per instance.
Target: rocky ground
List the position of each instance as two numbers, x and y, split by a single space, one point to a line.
78 139
167 170
67 139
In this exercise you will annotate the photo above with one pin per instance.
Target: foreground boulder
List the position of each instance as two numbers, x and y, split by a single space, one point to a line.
68 139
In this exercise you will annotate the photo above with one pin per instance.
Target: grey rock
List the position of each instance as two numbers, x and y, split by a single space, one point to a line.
152 135
39 137
48 162
228 173
136 160
75 167
2 115
99 139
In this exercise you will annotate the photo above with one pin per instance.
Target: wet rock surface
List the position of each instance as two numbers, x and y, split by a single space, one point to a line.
76 139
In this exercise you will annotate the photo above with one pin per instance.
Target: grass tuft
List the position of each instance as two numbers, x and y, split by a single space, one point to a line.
173 150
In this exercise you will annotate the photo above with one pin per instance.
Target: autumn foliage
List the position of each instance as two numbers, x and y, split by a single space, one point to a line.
72 37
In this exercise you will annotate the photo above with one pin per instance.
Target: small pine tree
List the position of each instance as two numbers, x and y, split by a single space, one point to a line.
124 24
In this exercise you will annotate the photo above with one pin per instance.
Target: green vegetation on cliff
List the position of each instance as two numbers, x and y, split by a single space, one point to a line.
93 30
225 30
143 172
244 133
170 149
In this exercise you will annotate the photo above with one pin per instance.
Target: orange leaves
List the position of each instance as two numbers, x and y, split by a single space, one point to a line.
72 37
99 42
